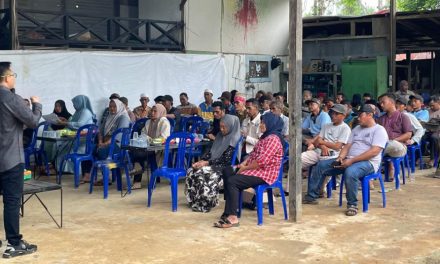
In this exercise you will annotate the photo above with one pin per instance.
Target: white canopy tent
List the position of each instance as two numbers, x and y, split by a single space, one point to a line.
54 75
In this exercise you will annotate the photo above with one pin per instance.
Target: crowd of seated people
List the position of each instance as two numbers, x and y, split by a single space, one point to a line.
352 133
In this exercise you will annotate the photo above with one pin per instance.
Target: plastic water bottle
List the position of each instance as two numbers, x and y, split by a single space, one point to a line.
135 135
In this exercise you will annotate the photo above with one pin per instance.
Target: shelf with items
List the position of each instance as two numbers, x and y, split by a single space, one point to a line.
322 82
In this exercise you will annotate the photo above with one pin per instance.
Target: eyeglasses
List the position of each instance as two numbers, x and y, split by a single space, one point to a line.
143 99
12 74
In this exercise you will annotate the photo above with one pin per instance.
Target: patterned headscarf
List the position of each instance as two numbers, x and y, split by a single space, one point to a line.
110 121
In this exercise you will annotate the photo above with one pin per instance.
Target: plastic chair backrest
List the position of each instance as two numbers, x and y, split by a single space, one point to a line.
236 151
191 121
125 139
172 124
180 160
92 131
34 141
284 159
138 126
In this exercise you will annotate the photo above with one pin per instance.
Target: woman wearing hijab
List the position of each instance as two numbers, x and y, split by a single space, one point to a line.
203 179
83 116
117 118
261 167
156 127
61 111
83 113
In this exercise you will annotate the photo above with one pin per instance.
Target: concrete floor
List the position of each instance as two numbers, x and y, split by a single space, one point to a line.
124 230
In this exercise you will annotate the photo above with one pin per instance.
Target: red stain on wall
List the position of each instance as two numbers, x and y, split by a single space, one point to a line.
246 14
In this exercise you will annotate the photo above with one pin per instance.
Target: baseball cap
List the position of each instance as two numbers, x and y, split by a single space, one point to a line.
417 97
313 100
339 108
402 100
225 95
239 98
168 97
114 96
208 91
366 108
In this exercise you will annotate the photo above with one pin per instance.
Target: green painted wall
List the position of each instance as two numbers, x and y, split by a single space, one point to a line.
365 75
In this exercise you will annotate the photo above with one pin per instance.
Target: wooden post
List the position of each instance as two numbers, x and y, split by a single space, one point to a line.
295 103
393 45
13 24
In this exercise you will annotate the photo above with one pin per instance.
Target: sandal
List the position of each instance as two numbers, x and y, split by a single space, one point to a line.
351 210
225 223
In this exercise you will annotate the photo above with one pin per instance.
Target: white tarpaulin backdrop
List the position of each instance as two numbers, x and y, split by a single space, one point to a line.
54 75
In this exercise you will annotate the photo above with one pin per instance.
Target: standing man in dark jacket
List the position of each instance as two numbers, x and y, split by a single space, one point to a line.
14 114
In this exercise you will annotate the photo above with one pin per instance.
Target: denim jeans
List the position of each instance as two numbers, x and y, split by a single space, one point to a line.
351 174
11 185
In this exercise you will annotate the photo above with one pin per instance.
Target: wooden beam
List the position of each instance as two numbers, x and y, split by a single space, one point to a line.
392 66
295 102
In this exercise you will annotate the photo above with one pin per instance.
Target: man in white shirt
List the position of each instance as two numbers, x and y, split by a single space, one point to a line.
331 139
360 157
250 128
418 130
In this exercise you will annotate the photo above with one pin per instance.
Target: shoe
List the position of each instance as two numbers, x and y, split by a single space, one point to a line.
306 201
23 248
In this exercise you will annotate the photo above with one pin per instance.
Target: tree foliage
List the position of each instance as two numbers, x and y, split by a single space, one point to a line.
417 5
353 8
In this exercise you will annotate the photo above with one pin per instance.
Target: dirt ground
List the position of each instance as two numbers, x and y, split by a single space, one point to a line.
124 230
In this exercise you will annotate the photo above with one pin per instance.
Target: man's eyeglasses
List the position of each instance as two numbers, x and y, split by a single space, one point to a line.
143 99
12 74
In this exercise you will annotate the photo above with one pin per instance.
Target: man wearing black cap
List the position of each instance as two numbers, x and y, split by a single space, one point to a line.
360 157
106 111
420 113
226 100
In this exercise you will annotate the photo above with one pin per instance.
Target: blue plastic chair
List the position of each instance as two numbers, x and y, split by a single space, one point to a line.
38 151
398 163
138 126
259 190
365 184
188 122
114 162
411 155
172 124
172 173
198 126
236 150
76 157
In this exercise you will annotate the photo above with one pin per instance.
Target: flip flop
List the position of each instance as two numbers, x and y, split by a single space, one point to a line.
351 211
225 223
